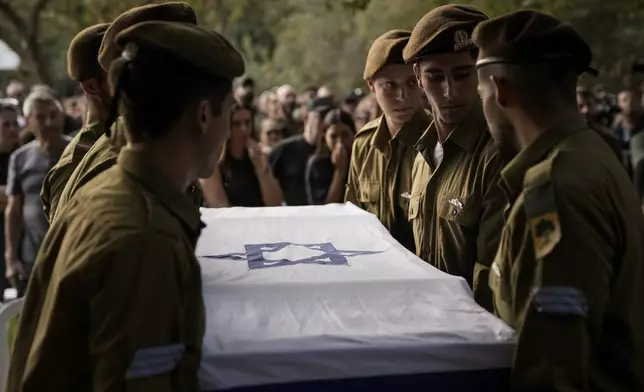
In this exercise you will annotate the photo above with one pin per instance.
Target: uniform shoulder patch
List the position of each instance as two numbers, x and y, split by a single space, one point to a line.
541 208
370 126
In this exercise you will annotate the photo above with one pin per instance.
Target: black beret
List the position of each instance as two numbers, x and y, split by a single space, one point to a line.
385 50
445 29
169 12
82 55
321 104
529 36
202 48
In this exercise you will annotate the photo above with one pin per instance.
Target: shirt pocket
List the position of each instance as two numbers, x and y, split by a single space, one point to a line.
414 206
369 192
463 211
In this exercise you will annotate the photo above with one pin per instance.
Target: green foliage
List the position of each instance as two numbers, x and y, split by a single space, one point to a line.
312 42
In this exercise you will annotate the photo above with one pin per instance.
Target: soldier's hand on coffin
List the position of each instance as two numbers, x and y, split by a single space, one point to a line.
340 157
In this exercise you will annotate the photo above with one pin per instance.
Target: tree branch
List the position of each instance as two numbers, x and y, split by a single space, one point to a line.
14 18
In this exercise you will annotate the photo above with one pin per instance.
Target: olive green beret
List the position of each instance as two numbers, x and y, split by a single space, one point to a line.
204 49
82 55
445 29
169 12
386 49
529 36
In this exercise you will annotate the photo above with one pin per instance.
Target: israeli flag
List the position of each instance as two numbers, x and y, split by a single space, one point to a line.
323 294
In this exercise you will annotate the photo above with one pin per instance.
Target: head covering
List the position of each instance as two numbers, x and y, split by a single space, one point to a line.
445 29
169 12
529 36
385 50
321 104
82 55
202 48
245 81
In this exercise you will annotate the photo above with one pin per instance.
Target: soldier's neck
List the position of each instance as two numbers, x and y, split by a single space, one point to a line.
95 113
443 130
529 128
393 127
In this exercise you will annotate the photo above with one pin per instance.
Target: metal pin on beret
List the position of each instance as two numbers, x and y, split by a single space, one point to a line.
168 12
204 49
82 55
385 50
529 36
445 29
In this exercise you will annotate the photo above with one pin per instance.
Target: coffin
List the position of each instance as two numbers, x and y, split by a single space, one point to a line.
323 298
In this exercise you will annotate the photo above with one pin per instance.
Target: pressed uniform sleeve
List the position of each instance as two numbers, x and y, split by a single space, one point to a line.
53 187
351 194
554 274
490 227
123 309
13 176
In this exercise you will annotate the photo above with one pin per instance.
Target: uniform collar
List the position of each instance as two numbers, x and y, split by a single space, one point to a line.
464 134
514 172
408 134
175 201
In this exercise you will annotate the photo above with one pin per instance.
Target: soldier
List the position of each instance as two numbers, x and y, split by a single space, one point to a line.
103 154
123 308
383 151
82 67
568 274
456 202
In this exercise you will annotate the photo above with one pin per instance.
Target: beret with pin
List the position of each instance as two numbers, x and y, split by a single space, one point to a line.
529 36
169 12
445 29
204 49
385 50
82 55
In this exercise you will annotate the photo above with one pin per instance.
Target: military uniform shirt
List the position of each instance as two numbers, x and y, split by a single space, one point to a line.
57 177
456 206
379 179
100 157
119 307
568 274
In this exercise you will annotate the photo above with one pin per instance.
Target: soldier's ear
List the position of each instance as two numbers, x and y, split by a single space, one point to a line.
417 74
204 114
501 90
371 85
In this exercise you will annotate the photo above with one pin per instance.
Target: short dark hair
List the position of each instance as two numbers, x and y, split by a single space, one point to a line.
539 81
339 116
154 88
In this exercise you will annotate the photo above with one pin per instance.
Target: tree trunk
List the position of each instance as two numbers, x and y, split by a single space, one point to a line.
28 46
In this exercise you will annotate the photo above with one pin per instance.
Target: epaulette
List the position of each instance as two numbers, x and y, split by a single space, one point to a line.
370 126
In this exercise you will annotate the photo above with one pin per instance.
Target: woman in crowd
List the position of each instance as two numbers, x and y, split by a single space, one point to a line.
327 169
243 177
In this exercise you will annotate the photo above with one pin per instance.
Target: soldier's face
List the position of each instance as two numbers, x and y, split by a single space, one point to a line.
492 92
397 92
449 81
215 130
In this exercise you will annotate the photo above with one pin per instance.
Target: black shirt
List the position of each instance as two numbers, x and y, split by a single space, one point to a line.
288 161
4 168
240 182
318 178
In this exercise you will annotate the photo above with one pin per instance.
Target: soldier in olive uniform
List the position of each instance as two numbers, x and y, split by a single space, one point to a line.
383 153
456 203
120 305
568 274
103 154
82 67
